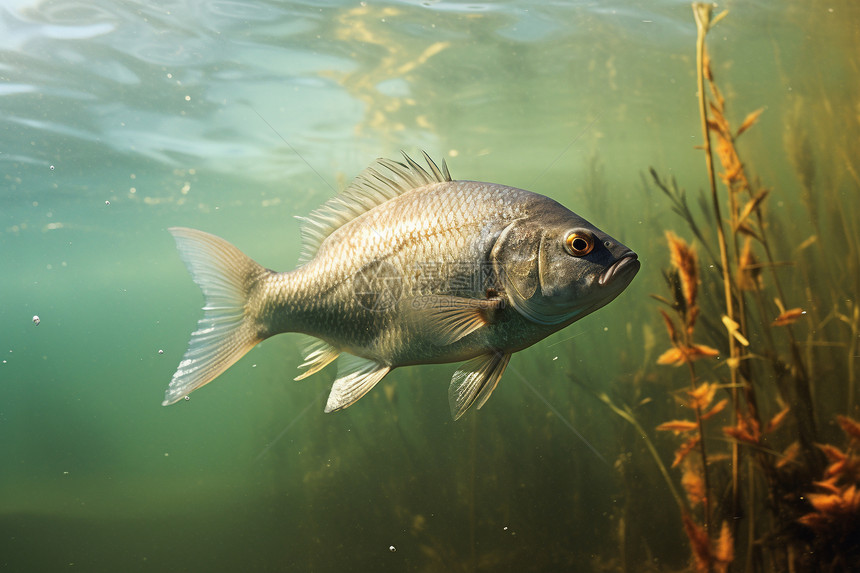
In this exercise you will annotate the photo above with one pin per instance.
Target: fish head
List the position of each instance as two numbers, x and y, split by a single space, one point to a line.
556 267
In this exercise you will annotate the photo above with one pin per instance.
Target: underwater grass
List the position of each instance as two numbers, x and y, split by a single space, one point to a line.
766 335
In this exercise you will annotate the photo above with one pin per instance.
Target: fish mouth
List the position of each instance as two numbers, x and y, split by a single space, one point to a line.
627 265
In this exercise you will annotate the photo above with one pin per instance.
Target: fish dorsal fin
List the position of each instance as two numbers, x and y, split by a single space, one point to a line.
382 181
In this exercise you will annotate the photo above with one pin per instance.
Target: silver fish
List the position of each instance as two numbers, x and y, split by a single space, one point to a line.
406 266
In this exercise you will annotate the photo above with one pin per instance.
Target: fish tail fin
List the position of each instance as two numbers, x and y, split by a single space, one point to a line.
228 328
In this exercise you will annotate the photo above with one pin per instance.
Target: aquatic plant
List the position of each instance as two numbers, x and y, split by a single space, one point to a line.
834 518
763 492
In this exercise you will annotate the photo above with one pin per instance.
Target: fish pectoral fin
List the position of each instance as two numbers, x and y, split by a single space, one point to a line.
355 377
451 317
475 381
318 355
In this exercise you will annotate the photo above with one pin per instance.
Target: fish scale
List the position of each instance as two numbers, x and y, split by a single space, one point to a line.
407 267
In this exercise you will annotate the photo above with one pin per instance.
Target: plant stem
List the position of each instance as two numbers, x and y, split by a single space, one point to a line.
627 416
702 13
706 502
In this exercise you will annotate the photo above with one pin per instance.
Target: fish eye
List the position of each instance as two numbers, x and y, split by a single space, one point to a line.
579 243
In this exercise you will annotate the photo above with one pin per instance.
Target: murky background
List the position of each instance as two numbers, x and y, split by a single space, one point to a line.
120 119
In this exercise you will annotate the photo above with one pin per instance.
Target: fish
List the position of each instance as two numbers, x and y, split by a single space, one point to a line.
405 267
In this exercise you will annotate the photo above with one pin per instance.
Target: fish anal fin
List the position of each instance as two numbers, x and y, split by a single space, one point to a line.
356 377
452 318
318 355
475 380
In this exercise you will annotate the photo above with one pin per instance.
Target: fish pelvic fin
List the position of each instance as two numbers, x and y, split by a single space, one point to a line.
475 380
228 328
355 378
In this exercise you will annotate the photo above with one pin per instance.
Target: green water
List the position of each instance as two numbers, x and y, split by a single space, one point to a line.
120 119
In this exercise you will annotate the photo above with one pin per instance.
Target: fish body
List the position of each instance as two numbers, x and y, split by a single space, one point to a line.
407 267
